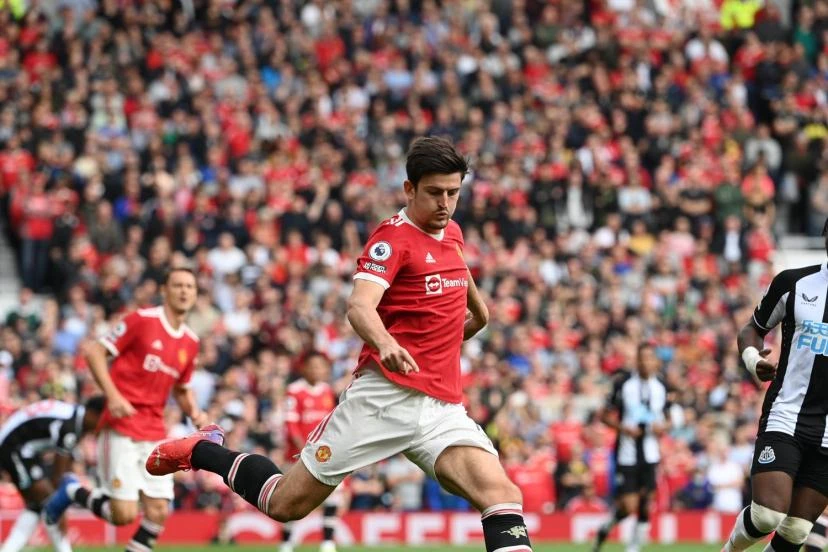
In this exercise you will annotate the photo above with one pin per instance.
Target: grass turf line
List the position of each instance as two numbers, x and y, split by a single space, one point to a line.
425 548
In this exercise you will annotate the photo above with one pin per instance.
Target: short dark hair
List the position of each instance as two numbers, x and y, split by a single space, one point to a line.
644 346
96 404
433 155
172 271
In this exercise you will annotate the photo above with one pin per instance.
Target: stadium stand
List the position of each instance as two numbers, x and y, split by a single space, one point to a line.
635 163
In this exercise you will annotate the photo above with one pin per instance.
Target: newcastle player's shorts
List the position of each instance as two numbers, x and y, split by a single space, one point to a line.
635 479
806 463
25 471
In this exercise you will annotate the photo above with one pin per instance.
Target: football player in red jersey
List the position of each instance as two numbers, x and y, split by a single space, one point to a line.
413 303
309 399
154 354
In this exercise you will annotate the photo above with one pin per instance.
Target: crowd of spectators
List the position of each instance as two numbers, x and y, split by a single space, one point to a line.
634 163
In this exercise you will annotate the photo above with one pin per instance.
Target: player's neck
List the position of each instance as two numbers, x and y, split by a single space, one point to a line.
174 319
413 221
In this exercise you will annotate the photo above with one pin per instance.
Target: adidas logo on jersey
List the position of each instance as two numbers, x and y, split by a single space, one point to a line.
157 345
767 456
430 258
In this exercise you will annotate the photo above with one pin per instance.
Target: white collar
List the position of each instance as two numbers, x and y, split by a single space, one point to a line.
438 236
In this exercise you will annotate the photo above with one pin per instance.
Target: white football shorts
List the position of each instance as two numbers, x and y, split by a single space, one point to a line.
377 419
122 468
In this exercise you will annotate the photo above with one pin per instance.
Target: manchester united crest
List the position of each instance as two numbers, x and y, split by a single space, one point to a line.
323 454
182 357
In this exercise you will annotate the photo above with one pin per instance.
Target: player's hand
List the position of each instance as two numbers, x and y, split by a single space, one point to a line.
395 358
633 431
200 419
119 407
765 369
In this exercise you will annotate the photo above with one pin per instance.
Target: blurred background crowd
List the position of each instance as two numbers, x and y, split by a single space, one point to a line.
634 164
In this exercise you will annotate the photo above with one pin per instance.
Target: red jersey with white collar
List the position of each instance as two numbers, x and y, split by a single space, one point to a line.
150 358
424 306
306 406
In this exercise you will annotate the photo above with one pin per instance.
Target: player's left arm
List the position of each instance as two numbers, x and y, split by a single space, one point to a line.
477 315
186 400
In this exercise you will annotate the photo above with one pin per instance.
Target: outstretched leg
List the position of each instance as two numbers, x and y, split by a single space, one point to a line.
283 497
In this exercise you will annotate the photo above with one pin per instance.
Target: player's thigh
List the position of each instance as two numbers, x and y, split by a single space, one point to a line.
776 462
118 477
477 475
810 493
37 492
443 425
297 494
374 421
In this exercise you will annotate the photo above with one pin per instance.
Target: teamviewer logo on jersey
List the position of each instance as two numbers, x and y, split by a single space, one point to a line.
433 284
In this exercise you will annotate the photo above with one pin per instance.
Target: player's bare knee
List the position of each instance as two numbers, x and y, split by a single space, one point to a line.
157 511
123 513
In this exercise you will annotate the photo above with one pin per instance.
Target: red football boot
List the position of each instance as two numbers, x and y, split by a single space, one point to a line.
175 455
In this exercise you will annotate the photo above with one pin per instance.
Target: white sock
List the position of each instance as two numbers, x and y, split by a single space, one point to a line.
60 542
739 539
22 530
641 534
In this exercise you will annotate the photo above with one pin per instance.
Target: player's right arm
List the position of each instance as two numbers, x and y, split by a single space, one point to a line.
769 313
366 321
114 343
96 357
612 412
377 268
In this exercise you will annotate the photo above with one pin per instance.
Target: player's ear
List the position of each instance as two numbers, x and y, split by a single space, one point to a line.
410 189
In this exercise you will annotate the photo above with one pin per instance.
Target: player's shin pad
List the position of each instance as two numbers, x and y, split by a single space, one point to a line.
504 529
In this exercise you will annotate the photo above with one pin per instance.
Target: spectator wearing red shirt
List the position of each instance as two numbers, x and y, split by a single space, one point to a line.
34 207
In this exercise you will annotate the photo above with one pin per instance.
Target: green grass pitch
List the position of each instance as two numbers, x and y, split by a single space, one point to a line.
539 548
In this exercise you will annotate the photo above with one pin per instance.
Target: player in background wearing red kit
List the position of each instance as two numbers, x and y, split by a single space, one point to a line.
413 303
309 400
154 354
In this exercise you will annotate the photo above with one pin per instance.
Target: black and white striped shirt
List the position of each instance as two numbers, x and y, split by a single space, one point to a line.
41 426
640 403
797 401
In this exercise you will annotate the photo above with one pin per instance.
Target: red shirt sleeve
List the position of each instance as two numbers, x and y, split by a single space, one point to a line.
123 334
293 417
382 257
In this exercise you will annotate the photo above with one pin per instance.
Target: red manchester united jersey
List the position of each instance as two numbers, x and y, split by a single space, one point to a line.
306 406
150 358
424 305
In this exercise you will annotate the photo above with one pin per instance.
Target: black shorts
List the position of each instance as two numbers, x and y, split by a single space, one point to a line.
24 471
635 479
807 463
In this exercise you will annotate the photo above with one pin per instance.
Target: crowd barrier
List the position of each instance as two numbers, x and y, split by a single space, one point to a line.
385 528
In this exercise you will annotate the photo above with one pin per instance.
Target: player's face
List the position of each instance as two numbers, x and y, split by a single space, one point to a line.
316 370
648 362
180 291
433 201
